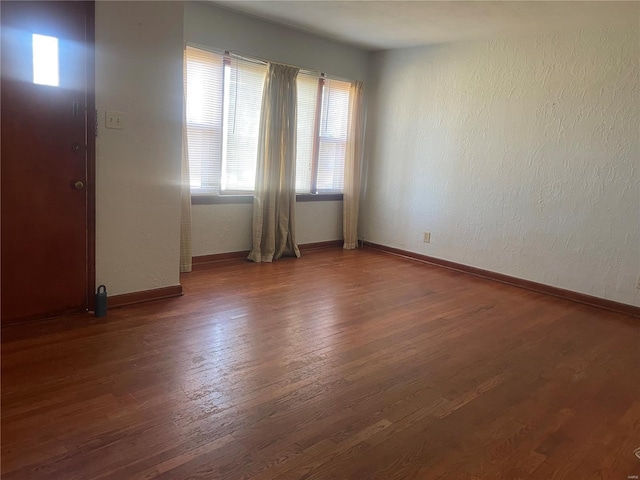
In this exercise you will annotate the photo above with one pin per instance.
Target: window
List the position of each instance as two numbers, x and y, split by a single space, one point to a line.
223 118
332 135
224 97
45 60
323 122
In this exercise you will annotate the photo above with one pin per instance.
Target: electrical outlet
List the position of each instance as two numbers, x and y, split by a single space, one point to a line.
427 237
114 120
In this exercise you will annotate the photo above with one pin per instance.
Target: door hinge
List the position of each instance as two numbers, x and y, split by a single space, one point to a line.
96 123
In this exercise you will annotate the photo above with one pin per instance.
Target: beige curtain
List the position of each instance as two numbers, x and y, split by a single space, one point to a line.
185 206
353 168
275 191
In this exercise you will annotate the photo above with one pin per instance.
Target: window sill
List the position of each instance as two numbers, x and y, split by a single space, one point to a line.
232 199
319 197
220 199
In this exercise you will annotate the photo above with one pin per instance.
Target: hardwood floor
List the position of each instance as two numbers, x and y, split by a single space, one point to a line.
347 365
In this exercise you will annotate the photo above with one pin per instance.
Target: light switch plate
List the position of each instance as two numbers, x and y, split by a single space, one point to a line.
114 120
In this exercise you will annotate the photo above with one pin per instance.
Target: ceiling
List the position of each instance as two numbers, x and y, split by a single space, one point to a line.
378 25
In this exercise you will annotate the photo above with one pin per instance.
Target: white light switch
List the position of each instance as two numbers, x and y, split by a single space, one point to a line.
114 120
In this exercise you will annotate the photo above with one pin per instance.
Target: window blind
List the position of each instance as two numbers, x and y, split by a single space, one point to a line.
333 131
306 124
243 86
204 85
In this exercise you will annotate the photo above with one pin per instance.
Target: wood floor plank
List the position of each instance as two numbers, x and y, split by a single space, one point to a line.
340 364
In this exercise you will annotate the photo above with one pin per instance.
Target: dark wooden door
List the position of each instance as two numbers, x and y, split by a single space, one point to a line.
44 137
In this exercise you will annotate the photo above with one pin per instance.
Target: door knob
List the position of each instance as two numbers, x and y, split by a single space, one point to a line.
76 147
79 185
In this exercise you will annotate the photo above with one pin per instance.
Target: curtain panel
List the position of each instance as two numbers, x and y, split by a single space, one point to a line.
275 189
185 189
353 168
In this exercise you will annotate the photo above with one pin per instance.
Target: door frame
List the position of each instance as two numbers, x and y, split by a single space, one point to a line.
92 132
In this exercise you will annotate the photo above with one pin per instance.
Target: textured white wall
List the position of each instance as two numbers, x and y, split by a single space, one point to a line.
227 228
520 156
221 228
318 221
139 72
